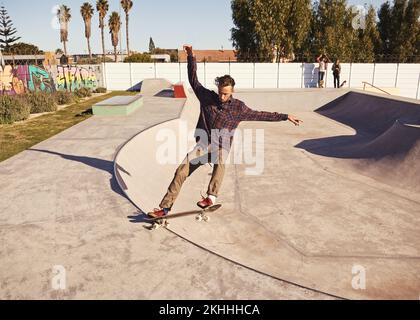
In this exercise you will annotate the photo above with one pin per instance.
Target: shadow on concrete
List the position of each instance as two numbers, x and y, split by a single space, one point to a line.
139 218
105 165
166 93
310 75
136 87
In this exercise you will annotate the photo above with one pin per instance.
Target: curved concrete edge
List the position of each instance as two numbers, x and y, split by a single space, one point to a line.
139 189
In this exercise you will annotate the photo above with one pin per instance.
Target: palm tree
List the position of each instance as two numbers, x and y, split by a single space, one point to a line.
102 7
127 5
86 10
114 24
64 17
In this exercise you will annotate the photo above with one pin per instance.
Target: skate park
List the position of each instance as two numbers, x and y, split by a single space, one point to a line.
338 192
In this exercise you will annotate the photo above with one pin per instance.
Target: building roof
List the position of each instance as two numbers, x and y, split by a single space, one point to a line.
210 55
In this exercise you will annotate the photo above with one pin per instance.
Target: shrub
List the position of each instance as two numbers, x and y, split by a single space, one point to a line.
13 108
40 101
100 90
63 97
82 93
139 57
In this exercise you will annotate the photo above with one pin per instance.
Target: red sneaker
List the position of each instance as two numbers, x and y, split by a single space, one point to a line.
205 203
157 213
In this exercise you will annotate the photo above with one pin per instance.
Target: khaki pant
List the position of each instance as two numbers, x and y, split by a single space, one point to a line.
192 162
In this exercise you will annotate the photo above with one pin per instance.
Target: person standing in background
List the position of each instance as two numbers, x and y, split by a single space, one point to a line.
322 65
336 69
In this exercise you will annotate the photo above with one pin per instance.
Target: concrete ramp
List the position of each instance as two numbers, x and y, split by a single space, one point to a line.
319 221
151 87
385 143
143 167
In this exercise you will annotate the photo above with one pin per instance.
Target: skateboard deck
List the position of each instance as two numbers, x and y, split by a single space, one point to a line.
201 215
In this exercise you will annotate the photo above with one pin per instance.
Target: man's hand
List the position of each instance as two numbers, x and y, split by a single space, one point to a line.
188 49
294 120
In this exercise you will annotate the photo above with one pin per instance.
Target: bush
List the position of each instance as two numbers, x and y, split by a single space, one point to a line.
100 90
13 108
82 93
139 57
97 60
63 97
40 101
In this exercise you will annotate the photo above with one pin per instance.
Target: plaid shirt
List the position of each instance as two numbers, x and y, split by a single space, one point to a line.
217 120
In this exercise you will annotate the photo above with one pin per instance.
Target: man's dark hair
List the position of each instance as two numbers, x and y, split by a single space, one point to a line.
225 81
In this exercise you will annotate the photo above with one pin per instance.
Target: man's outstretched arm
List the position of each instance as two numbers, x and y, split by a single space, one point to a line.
198 88
248 114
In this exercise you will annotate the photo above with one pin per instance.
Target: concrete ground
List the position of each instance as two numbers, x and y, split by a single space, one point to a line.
312 225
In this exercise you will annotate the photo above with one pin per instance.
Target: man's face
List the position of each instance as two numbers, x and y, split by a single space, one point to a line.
225 93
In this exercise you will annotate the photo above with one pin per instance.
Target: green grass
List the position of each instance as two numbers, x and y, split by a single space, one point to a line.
17 137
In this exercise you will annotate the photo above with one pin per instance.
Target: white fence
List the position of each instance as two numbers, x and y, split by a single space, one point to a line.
405 77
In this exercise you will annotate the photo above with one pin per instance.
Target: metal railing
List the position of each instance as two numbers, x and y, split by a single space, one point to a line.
367 83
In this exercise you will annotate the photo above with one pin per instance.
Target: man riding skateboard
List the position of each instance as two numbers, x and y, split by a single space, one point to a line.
220 115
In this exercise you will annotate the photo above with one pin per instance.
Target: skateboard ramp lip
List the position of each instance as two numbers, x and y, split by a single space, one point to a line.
122 175
151 87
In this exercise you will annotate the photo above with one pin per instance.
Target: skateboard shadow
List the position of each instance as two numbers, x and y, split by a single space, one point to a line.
139 218
105 165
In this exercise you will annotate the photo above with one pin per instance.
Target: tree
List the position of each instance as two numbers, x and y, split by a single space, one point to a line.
332 31
243 34
268 29
367 39
385 27
152 47
86 10
6 30
139 57
412 30
405 39
102 7
114 24
399 29
127 5
64 17
297 25
22 48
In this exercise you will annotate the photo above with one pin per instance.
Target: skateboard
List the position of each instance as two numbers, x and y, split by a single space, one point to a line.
201 215
344 82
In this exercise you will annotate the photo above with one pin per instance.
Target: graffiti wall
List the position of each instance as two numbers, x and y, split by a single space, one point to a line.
27 78
71 78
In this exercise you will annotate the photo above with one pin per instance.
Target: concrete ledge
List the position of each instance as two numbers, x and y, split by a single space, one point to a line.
117 106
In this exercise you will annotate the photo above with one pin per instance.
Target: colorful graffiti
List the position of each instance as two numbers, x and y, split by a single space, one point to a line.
39 80
10 82
71 78
29 78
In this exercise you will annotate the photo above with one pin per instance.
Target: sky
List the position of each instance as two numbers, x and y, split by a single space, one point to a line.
171 23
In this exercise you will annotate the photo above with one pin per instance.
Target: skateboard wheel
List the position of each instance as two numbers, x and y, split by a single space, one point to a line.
206 218
199 218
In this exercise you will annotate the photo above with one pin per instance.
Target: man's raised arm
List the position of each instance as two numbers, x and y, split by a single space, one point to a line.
198 88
